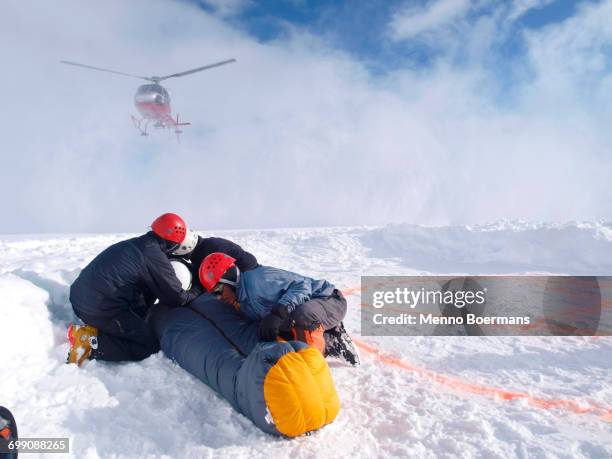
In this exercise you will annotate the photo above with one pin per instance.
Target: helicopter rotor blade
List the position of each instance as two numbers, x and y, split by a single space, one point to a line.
199 69
105 70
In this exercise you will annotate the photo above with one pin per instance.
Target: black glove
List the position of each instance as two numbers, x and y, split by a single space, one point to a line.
270 325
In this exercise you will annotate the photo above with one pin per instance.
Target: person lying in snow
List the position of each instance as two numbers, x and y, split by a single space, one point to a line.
287 304
114 293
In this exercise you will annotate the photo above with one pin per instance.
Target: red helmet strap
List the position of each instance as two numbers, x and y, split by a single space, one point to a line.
229 282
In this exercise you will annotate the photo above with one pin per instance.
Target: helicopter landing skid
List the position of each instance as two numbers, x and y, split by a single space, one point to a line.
138 125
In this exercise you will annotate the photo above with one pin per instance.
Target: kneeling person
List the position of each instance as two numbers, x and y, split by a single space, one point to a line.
113 294
287 304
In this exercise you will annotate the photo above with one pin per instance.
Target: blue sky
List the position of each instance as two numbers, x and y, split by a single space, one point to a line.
364 30
361 27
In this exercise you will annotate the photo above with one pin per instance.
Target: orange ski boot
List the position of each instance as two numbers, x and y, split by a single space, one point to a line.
83 339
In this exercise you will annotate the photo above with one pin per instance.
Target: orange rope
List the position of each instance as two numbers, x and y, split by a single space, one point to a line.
459 385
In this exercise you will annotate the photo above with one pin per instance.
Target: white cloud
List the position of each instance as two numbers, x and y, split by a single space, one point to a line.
415 20
293 134
572 59
520 7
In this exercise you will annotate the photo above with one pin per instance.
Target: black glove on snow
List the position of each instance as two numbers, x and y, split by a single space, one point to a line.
269 326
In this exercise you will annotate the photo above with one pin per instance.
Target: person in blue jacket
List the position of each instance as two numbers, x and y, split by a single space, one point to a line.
287 304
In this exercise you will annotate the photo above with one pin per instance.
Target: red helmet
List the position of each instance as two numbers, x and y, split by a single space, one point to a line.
170 227
212 269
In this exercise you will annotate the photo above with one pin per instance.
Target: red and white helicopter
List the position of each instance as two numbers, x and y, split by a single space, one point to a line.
153 100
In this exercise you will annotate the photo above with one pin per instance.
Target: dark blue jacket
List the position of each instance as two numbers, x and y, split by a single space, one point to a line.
207 245
264 287
129 275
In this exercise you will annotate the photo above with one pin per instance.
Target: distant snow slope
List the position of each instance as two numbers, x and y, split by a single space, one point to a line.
403 401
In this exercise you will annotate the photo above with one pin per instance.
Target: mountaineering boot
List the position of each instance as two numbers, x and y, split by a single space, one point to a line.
83 339
338 343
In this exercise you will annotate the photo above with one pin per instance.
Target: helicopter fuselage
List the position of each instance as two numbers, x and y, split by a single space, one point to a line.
153 103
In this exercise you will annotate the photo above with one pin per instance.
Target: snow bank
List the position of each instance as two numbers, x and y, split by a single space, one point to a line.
573 248
155 409
25 329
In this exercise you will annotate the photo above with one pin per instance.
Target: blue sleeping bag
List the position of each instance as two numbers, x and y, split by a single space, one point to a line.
285 388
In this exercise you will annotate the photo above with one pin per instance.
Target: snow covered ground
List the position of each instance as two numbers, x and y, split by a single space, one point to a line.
418 397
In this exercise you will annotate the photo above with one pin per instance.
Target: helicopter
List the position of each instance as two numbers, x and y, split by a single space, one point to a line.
153 100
